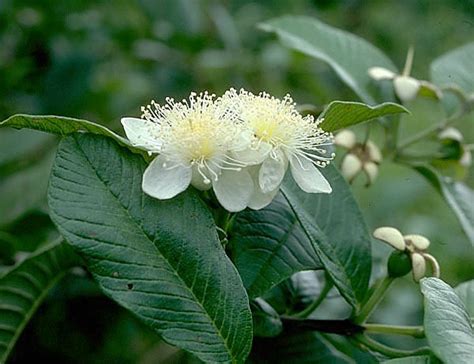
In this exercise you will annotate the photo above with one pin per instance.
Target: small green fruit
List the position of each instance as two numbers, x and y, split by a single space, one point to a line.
399 264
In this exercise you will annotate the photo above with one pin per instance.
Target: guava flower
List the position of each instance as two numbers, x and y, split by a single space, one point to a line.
364 157
405 86
453 135
194 139
279 137
414 245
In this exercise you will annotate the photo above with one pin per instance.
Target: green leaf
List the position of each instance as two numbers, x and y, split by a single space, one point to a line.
337 230
458 196
348 55
266 321
447 324
23 288
162 260
342 114
60 125
296 347
465 292
454 69
24 191
269 246
420 359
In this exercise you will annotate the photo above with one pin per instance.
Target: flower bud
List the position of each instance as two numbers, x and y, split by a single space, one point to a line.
418 241
406 87
391 236
345 139
371 169
351 165
418 265
399 264
374 152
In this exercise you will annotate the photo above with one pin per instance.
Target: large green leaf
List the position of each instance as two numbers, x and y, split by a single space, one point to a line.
342 114
458 196
24 191
455 68
162 260
348 55
60 125
272 244
465 292
339 236
296 347
269 246
23 288
447 324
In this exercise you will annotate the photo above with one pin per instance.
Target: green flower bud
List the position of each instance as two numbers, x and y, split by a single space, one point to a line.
399 264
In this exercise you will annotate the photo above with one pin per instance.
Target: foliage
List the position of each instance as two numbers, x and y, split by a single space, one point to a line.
295 281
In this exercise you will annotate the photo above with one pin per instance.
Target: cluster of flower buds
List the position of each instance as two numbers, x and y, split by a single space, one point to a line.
453 142
239 144
411 246
360 157
406 88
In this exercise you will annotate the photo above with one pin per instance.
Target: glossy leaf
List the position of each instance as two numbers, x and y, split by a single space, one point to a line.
162 260
465 292
269 246
348 55
24 287
266 321
458 196
335 226
60 125
454 69
342 114
447 324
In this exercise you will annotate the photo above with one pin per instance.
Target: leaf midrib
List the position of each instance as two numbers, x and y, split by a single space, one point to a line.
152 241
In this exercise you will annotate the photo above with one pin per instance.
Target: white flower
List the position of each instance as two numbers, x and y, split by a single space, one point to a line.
405 86
413 244
280 137
360 157
194 140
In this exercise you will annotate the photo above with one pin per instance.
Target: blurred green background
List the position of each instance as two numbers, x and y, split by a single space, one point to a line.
101 60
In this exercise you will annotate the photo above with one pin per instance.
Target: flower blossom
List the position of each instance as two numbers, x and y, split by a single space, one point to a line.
278 137
414 245
405 86
364 157
195 139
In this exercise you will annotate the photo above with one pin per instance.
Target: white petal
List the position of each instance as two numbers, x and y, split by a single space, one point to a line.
165 182
418 265
252 156
380 73
419 241
138 132
451 133
345 139
272 172
427 89
259 200
406 87
200 182
466 159
308 177
351 165
391 236
371 169
374 152
233 189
